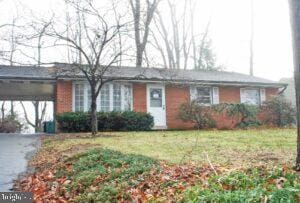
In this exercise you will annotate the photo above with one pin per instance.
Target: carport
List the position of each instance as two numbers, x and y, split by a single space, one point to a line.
27 83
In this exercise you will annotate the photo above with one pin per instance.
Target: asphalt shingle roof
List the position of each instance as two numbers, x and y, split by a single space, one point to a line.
26 72
133 73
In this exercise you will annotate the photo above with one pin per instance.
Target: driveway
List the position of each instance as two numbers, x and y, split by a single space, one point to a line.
15 150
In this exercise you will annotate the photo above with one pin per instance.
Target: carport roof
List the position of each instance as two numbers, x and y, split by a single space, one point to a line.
27 72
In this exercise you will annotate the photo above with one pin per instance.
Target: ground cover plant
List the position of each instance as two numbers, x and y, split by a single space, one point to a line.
133 167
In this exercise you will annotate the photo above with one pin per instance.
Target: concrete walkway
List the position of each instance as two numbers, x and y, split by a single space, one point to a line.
15 150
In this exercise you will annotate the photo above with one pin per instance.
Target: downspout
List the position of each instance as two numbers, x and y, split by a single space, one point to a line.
282 91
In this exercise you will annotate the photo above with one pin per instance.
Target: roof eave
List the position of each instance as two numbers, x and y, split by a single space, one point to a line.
224 83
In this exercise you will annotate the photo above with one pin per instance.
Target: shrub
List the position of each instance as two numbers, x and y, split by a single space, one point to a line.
116 121
278 112
200 115
10 124
247 114
205 116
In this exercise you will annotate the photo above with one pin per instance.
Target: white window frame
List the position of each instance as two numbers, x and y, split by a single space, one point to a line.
123 96
194 93
110 98
214 94
86 86
84 97
260 97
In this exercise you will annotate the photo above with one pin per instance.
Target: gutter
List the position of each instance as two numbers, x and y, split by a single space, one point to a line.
223 83
50 80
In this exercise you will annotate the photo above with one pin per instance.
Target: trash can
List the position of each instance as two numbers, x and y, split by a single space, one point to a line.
49 127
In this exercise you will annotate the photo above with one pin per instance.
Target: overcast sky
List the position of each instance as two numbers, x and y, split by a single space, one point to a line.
229 30
272 38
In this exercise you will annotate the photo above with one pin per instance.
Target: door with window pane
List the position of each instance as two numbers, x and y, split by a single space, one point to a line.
156 104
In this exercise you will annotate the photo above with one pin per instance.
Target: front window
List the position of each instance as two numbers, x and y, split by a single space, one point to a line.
112 97
117 97
105 98
155 97
250 96
127 97
203 95
89 98
79 97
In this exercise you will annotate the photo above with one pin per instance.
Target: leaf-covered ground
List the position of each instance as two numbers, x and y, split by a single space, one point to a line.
83 169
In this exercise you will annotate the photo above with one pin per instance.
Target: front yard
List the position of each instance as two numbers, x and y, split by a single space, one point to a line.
240 147
208 166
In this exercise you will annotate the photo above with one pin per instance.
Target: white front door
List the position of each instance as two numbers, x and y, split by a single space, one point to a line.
156 104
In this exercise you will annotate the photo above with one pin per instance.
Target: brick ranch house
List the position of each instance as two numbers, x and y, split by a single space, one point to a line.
158 91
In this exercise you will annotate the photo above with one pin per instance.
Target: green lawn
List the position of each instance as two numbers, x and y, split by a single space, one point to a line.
229 148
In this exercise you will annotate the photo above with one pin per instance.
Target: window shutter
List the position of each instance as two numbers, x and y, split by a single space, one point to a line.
215 95
242 95
262 95
193 93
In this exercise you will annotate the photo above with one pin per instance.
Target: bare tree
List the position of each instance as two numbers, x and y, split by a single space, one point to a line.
99 48
156 44
193 40
175 30
162 30
142 33
295 23
39 32
177 42
9 54
185 31
251 38
39 118
37 124
182 46
3 110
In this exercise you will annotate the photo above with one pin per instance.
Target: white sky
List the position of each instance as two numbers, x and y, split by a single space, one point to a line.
272 38
229 30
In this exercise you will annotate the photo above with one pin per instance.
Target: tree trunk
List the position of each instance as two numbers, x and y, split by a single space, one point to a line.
139 58
251 39
295 22
3 110
12 110
37 127
94 120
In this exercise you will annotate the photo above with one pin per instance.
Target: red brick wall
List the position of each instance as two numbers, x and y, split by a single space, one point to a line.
175 97
271 92
139 91
229 94
63 101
